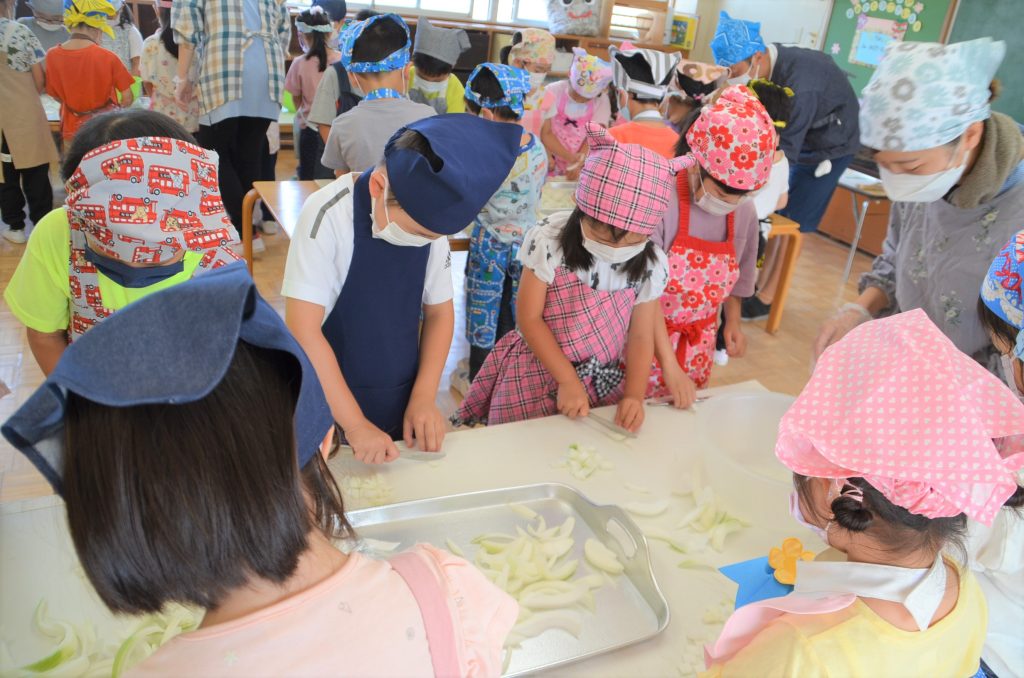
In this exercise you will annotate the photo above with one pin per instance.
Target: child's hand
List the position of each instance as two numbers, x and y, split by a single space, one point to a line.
630 413
182 92
573 400
370 445
424 426
735 341
679 385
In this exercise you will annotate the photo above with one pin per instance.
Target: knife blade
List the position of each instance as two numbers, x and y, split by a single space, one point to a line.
412 454
610 425
669 401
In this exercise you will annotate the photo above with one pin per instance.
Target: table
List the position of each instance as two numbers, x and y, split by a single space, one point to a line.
869 189
284 199
783 227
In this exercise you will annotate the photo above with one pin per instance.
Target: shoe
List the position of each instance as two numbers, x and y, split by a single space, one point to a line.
269 227
15 235
460 377
754 309
721 357
258 246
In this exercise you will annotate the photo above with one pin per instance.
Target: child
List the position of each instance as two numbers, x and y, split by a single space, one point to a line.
710 235
143 213
158 67
334 94
304 75
642 74
369 259
691 88
434 54
886 481
996 551
246 533
569 105
85 78
533 50
126 41
496 92
375 53
587 299
46 22
26 145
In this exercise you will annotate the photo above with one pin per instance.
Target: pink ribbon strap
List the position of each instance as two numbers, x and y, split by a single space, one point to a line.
433 604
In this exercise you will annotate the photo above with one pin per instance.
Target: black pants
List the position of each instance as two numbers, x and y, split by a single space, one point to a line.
506 323
311 149
240 143
31 184
268 172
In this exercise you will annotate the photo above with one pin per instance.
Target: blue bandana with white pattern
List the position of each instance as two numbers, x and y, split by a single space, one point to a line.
515 84
394 61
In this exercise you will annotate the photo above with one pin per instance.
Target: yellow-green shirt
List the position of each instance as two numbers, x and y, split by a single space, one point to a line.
857 642
454 96
39 292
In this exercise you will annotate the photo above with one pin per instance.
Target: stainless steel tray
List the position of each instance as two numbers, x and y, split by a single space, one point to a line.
628 612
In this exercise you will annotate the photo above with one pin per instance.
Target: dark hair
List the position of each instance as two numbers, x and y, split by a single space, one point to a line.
775 99
486 86
503 54
637 68
166 32
577 258
364 14
683 147
336 9
125 16
613 100
126 123
413 141
156 518
380 40
316 41
695 89
432 67
899 530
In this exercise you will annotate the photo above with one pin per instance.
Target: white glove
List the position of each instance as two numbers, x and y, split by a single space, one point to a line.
838 326
823 168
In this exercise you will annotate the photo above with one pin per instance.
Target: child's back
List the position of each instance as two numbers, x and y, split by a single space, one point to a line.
86 81
158 68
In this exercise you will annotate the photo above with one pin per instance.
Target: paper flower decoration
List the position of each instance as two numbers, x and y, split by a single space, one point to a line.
783 560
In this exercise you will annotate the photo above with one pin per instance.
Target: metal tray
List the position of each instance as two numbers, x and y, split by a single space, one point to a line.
628 612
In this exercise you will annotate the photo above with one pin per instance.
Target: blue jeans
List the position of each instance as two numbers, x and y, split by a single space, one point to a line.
311 149
809 195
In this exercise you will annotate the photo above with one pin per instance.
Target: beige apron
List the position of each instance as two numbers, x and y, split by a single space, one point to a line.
23 126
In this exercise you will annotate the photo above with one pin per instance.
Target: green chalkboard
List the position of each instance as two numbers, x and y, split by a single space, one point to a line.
859 30
999 19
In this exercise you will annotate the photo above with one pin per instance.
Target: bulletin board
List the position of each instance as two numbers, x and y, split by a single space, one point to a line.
1000 20
860 30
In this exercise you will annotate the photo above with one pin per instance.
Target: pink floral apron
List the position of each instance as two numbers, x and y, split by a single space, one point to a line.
570 132
701 276
591 326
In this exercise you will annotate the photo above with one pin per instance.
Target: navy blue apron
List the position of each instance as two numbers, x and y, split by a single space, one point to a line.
374 326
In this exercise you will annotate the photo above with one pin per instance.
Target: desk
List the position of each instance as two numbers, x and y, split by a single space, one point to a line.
783 227
864 190
284 199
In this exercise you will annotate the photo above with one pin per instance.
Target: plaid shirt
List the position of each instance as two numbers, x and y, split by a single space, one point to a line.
216 29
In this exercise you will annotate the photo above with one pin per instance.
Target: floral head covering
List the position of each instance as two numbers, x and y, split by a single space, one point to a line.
392 62
515 85
923 94
94 13
735 40
536 46
588 75
1001 289
734 139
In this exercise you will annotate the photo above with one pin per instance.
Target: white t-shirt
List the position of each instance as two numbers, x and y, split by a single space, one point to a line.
321 249
767 198
542 254
126 43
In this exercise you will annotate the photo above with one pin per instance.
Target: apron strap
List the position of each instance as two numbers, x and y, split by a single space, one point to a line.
437 620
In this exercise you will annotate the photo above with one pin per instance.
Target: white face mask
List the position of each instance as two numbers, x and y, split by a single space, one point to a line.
1006 366
742 79
392 232
798 516
612 255
537 80
430 87
921 187
356 89
48 26
712 205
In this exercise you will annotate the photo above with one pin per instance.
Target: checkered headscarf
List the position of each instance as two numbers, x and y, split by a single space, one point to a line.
625 185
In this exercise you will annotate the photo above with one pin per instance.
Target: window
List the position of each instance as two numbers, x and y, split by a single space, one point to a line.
454 8
521 11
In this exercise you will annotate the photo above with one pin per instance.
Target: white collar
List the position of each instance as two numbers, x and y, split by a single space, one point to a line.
648 115
773 56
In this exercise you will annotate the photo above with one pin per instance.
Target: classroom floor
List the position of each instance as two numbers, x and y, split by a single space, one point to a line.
781 362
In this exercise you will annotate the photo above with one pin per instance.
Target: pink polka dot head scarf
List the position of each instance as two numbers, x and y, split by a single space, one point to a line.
734 139
897 404
625 185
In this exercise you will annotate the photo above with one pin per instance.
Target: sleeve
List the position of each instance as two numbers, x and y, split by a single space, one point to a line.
292 81
665 232
778 651
324 108
188 21
334 153
549 100
134 42
883 269
747 224
792 138
437 286
482 613
29 51
314 271
654 286
122 78
38 292
537 252
455 96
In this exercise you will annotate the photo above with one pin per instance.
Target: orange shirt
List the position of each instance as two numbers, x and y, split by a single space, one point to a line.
661 140
85 81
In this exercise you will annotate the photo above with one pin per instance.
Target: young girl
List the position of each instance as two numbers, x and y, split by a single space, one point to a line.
568 106
126 40
85 78
888 481
587 294
496 92
712 245
143 212
533 50
304 76
159 66
245 533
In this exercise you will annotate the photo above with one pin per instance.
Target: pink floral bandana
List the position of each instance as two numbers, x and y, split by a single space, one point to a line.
589 76
734 139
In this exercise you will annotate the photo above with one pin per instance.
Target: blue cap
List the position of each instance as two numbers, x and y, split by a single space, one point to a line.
336 9
476 156
392 62
736 40
514 83
171 347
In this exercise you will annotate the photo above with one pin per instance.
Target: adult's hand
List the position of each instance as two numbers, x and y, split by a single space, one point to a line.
838 326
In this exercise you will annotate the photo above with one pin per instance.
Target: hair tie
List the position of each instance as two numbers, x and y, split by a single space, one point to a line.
853 492
781 124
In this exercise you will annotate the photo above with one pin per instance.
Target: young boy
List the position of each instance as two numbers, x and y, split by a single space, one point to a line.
498 92
47 22
369 258
434 54
644 75
375 54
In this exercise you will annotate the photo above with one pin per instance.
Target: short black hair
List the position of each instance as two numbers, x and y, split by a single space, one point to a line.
695 89
364 14
486 86
336 9
683 147
503 54
379 41
412 140
577 258
432 67
775 99
156 518
637 68
127 123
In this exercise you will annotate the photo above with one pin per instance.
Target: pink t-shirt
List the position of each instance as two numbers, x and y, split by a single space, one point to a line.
556 90
303 77
361 621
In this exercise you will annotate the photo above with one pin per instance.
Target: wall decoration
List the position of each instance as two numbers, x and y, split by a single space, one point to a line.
872 37
575 17
682 31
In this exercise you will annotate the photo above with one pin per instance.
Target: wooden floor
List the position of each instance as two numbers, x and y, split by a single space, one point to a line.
780 362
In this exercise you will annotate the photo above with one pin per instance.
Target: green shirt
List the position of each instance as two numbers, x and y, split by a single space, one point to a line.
39 293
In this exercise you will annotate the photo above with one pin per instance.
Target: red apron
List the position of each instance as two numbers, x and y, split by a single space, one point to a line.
570 132
701 276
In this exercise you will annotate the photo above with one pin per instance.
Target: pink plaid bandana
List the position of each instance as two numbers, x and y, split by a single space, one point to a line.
625 185
734 139
897 404
589 76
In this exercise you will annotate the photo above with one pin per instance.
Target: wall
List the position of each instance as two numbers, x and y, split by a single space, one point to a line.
999 19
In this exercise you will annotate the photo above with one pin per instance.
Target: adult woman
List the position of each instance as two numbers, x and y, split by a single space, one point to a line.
241 77
954 171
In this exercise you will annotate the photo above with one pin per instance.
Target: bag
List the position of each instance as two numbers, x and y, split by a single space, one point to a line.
347 99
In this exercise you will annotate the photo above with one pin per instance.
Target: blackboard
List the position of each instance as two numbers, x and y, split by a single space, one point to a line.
999 19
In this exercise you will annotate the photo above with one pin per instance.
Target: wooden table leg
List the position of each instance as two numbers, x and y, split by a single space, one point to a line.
795 241
248 203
